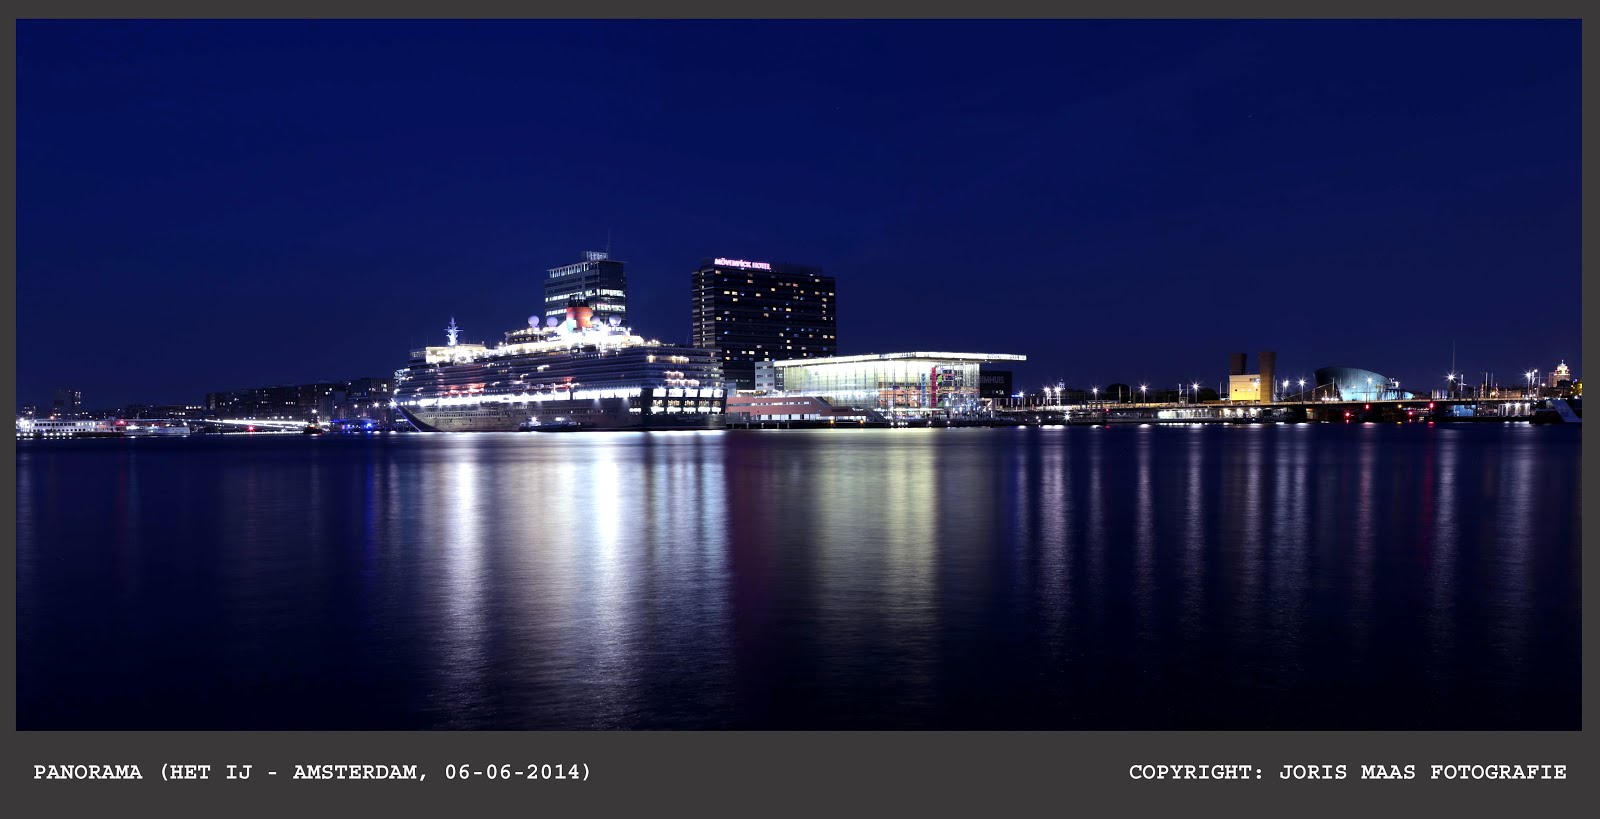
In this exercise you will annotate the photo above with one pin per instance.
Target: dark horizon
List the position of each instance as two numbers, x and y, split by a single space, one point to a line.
212 205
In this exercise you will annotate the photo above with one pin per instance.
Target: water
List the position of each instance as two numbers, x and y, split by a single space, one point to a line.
1295 576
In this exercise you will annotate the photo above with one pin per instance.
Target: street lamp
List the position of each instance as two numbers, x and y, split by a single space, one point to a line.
1302 390
1142 389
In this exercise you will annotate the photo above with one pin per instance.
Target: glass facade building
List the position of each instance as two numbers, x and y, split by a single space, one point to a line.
599 282
896 384
1354 384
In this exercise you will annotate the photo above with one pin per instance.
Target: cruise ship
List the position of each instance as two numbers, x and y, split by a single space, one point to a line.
572 372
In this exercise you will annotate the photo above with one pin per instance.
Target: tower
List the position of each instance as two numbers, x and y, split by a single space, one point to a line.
760 311
1267 365
599 283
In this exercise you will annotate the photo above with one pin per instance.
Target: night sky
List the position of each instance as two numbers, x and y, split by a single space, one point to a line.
212 205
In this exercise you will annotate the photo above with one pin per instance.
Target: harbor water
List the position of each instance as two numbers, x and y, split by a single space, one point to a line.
1299 576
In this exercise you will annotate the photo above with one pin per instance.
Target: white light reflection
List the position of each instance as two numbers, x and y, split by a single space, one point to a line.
1144 540
1442 551
458 546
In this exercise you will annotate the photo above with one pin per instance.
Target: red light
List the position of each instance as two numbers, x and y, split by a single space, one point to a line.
121 422
1430 405
1368 406
253 429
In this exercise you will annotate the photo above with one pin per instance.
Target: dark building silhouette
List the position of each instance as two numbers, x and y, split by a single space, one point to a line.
300 402
365 399
67 403
759 311
1268 369
994 384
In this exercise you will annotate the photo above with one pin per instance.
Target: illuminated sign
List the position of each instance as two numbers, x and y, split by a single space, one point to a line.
741 263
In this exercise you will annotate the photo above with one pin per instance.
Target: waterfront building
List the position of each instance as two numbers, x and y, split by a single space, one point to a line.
291 402
994 385
68 403
759 409
147 411
766 378
1559 374
365 399
1256 386
916 384
1244 387
599 283
1355 384
761 311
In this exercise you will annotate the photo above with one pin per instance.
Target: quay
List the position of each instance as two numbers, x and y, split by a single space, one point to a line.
1326 411
1489 410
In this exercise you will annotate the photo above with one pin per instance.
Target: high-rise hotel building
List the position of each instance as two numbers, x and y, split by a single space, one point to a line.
598 282
761 311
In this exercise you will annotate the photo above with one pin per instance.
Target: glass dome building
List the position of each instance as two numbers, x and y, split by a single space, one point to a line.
1354 384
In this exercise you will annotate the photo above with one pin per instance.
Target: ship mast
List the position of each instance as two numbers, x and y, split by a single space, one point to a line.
452 331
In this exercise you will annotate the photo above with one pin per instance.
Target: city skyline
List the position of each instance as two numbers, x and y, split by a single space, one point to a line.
206 206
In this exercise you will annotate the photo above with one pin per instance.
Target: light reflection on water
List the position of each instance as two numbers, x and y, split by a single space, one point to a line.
1287 576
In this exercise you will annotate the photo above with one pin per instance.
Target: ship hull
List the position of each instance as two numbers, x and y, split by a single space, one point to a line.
612 414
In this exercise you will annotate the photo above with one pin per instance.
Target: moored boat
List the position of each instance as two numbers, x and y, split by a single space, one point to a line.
591 375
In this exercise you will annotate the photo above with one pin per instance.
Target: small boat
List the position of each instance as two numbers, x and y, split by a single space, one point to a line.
557 425
155 431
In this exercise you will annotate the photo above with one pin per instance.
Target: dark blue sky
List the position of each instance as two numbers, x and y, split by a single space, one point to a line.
207 205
